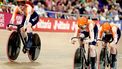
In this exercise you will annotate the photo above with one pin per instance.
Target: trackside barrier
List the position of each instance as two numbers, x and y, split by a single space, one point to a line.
48 24
44 24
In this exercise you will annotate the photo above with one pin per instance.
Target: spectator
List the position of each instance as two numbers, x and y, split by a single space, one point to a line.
88 8
102 15
67 8
82 9
49 3
51 12
11 7
39 8
35 2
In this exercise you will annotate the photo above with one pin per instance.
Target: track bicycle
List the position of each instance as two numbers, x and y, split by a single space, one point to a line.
80 60
14 44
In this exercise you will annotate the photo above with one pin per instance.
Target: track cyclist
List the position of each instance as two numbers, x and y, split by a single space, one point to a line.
111 33
87 28
30 18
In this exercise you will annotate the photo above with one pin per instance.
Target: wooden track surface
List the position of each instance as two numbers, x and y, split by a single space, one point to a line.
56 52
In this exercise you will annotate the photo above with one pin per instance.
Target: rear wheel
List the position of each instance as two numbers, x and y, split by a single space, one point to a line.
79 61
34 51
13 46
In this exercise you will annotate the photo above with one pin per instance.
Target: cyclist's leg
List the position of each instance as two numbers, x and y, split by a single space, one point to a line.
113 56
33 20
113 51
29 34
85 35
93 56
93 53
101 52
23 33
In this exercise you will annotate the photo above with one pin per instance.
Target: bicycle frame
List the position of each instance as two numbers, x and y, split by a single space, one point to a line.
83 50
105 52
33 53
19 32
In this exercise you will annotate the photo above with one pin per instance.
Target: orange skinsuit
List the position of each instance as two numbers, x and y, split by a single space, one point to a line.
112 28
27 11
110 33
89 28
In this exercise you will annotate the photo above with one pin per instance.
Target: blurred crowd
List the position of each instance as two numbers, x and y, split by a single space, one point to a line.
71 9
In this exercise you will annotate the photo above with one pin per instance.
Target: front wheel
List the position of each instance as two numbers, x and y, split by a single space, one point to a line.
104 59
79 60
13 46
34 51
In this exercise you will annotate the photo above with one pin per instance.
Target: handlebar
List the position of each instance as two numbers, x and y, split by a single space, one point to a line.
102 40
81 38
18 25
99 40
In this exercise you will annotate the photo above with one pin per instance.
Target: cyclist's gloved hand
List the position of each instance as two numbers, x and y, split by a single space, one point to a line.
9 27
23 29
82 35
98 42
73 41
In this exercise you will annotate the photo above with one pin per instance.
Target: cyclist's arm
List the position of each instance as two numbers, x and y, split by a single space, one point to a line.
91 30
28 14
100 32
16 10
114 32
76 32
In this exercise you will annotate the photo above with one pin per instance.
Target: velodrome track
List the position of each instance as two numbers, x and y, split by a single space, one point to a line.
56 52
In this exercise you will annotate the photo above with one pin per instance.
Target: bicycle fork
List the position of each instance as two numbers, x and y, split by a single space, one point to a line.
83 55
106 58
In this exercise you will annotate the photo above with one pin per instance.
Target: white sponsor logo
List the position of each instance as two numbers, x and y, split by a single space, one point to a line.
43 24
61 25
74 26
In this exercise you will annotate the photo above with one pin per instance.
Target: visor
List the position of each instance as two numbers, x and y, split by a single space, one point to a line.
107 32
82 27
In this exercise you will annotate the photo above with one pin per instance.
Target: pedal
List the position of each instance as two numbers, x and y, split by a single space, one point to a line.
107 65
87 63
86 67
24 50
27 49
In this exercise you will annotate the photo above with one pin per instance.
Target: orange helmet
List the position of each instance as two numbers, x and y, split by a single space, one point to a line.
106 26
82 21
